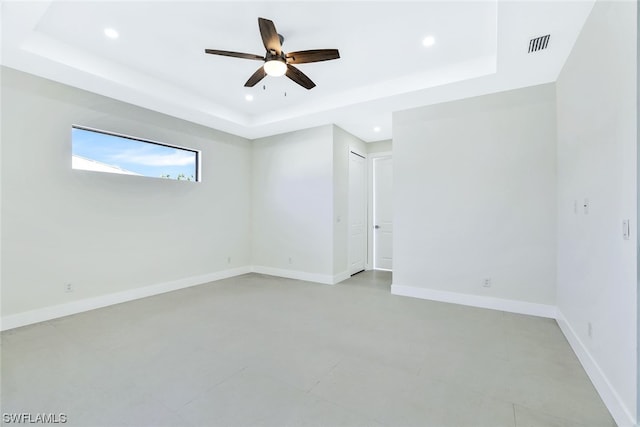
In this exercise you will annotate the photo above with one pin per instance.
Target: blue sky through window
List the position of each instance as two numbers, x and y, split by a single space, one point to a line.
140 157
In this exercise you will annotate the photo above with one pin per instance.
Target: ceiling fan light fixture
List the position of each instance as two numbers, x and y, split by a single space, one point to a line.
275 68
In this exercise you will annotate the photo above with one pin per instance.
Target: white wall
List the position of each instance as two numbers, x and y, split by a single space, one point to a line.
379 146
300 210
108 233
272 203
292 189
475 198
597 152
343 143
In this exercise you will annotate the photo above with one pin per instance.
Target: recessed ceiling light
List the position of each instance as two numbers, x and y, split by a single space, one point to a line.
248 97
111 33
376 129
428 41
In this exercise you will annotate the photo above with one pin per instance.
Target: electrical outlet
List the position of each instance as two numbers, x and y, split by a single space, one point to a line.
486 283
589 330
228 260
290 260
68 287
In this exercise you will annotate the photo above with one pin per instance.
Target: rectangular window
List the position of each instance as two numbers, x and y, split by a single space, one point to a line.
101 151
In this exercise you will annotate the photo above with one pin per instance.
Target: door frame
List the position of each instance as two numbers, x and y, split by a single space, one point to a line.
370 207
367 221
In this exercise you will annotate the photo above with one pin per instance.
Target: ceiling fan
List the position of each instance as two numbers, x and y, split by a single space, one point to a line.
276 61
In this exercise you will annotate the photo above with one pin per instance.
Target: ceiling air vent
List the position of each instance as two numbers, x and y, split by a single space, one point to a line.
539 43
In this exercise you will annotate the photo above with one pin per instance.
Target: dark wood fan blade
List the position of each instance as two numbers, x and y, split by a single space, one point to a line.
299 77
306 56
269 35
234 54
256 77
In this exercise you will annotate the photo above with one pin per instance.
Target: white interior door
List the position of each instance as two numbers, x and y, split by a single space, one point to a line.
382 213
357 213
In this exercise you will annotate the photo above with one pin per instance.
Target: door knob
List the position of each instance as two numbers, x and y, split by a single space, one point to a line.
376 226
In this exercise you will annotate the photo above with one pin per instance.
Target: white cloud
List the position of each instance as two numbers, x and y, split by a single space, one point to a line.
173 159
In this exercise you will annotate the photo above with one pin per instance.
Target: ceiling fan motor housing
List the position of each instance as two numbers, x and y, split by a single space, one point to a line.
271 56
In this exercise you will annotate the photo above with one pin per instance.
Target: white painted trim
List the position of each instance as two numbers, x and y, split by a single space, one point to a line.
370 197
370 262
354 150
371 207
47 313
340 277
380 154
615 405
294 274
611 399
512 306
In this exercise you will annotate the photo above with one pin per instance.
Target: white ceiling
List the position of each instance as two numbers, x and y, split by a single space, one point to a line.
158 61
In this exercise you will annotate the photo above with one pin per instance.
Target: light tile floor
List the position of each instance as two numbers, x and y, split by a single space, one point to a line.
263 351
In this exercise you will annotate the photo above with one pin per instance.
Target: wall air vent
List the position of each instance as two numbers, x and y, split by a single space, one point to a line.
539 43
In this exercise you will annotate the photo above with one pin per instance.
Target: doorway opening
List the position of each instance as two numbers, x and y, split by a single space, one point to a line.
382 212
357 213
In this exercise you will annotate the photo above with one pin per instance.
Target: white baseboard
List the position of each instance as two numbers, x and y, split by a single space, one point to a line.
619 411
53 312
512 306
293 274
74 307
614 404
340 277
